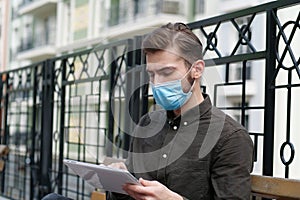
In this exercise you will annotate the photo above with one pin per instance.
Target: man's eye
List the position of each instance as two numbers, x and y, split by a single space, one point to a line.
167 72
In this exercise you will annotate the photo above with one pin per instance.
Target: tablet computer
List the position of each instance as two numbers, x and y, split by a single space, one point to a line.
101 176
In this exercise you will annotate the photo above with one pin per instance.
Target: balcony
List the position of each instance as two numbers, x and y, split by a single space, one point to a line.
142 16
37 48
120 14
37 7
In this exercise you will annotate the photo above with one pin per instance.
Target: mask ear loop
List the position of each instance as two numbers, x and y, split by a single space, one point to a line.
192 86
190 69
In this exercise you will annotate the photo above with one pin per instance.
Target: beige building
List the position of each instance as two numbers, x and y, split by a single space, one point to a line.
4 26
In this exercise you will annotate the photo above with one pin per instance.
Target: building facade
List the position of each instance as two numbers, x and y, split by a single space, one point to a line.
41 29
4 26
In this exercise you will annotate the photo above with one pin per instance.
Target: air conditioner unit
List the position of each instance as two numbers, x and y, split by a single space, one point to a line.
170 7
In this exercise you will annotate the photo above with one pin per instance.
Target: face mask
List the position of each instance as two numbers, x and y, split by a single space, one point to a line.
170 95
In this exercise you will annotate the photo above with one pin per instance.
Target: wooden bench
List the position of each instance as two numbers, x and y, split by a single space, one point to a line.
275 188
98 195
3 152
261 186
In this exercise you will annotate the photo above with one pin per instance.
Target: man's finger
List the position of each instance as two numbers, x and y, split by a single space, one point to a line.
118 165
137 189
147 183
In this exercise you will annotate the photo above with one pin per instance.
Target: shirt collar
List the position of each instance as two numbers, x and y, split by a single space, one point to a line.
192 114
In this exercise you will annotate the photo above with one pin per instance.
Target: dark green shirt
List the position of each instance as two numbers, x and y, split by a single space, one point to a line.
202 154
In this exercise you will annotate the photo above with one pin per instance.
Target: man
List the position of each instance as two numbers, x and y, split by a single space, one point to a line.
192 150
189 149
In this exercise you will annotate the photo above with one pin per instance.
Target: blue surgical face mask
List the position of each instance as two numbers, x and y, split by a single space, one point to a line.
170 95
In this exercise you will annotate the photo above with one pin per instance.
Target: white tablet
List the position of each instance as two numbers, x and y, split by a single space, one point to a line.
101 176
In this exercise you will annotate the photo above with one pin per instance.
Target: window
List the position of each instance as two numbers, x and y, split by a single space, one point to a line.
114 12
199 7
136 7
170 7
140 8
239 71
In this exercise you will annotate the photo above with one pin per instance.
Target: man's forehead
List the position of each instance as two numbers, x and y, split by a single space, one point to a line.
171 50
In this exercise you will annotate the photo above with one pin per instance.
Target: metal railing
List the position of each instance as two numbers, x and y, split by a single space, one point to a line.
82 105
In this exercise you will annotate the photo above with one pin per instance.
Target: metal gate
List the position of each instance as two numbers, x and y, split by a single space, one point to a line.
69 107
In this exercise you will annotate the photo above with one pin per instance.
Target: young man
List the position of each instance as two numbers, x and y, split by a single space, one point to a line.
189 149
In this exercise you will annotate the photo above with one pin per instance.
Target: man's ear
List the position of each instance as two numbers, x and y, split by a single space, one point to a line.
198 69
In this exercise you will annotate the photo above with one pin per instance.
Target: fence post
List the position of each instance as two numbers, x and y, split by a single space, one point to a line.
33 174
268 146
46 130
62 128
136 96
110 133
4 128
129 96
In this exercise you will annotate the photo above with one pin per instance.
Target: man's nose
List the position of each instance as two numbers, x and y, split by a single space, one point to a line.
156 80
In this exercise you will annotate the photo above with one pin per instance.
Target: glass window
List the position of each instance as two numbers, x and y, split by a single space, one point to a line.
114 12
199 7
239 71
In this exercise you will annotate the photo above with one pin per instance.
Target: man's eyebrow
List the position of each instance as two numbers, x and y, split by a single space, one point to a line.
166 68
163 68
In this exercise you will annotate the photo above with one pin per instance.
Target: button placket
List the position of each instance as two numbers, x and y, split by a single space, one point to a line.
165 153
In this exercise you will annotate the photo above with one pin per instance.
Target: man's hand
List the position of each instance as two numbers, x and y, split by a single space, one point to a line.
118 165
150 190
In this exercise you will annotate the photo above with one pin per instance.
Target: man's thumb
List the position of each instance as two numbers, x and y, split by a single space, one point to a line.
145 182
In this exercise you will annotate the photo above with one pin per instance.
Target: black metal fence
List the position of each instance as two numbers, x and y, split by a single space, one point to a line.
80 106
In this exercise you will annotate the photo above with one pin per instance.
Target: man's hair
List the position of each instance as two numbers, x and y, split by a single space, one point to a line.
177 38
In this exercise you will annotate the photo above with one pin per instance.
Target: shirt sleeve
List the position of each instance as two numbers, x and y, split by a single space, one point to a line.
231 166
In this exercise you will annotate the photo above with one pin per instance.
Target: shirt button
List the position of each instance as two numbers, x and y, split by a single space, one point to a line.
174 128
185 123
164 156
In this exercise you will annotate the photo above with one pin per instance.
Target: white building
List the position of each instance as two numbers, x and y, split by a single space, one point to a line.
42 29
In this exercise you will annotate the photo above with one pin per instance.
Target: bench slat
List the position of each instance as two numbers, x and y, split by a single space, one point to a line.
97 195
272 187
